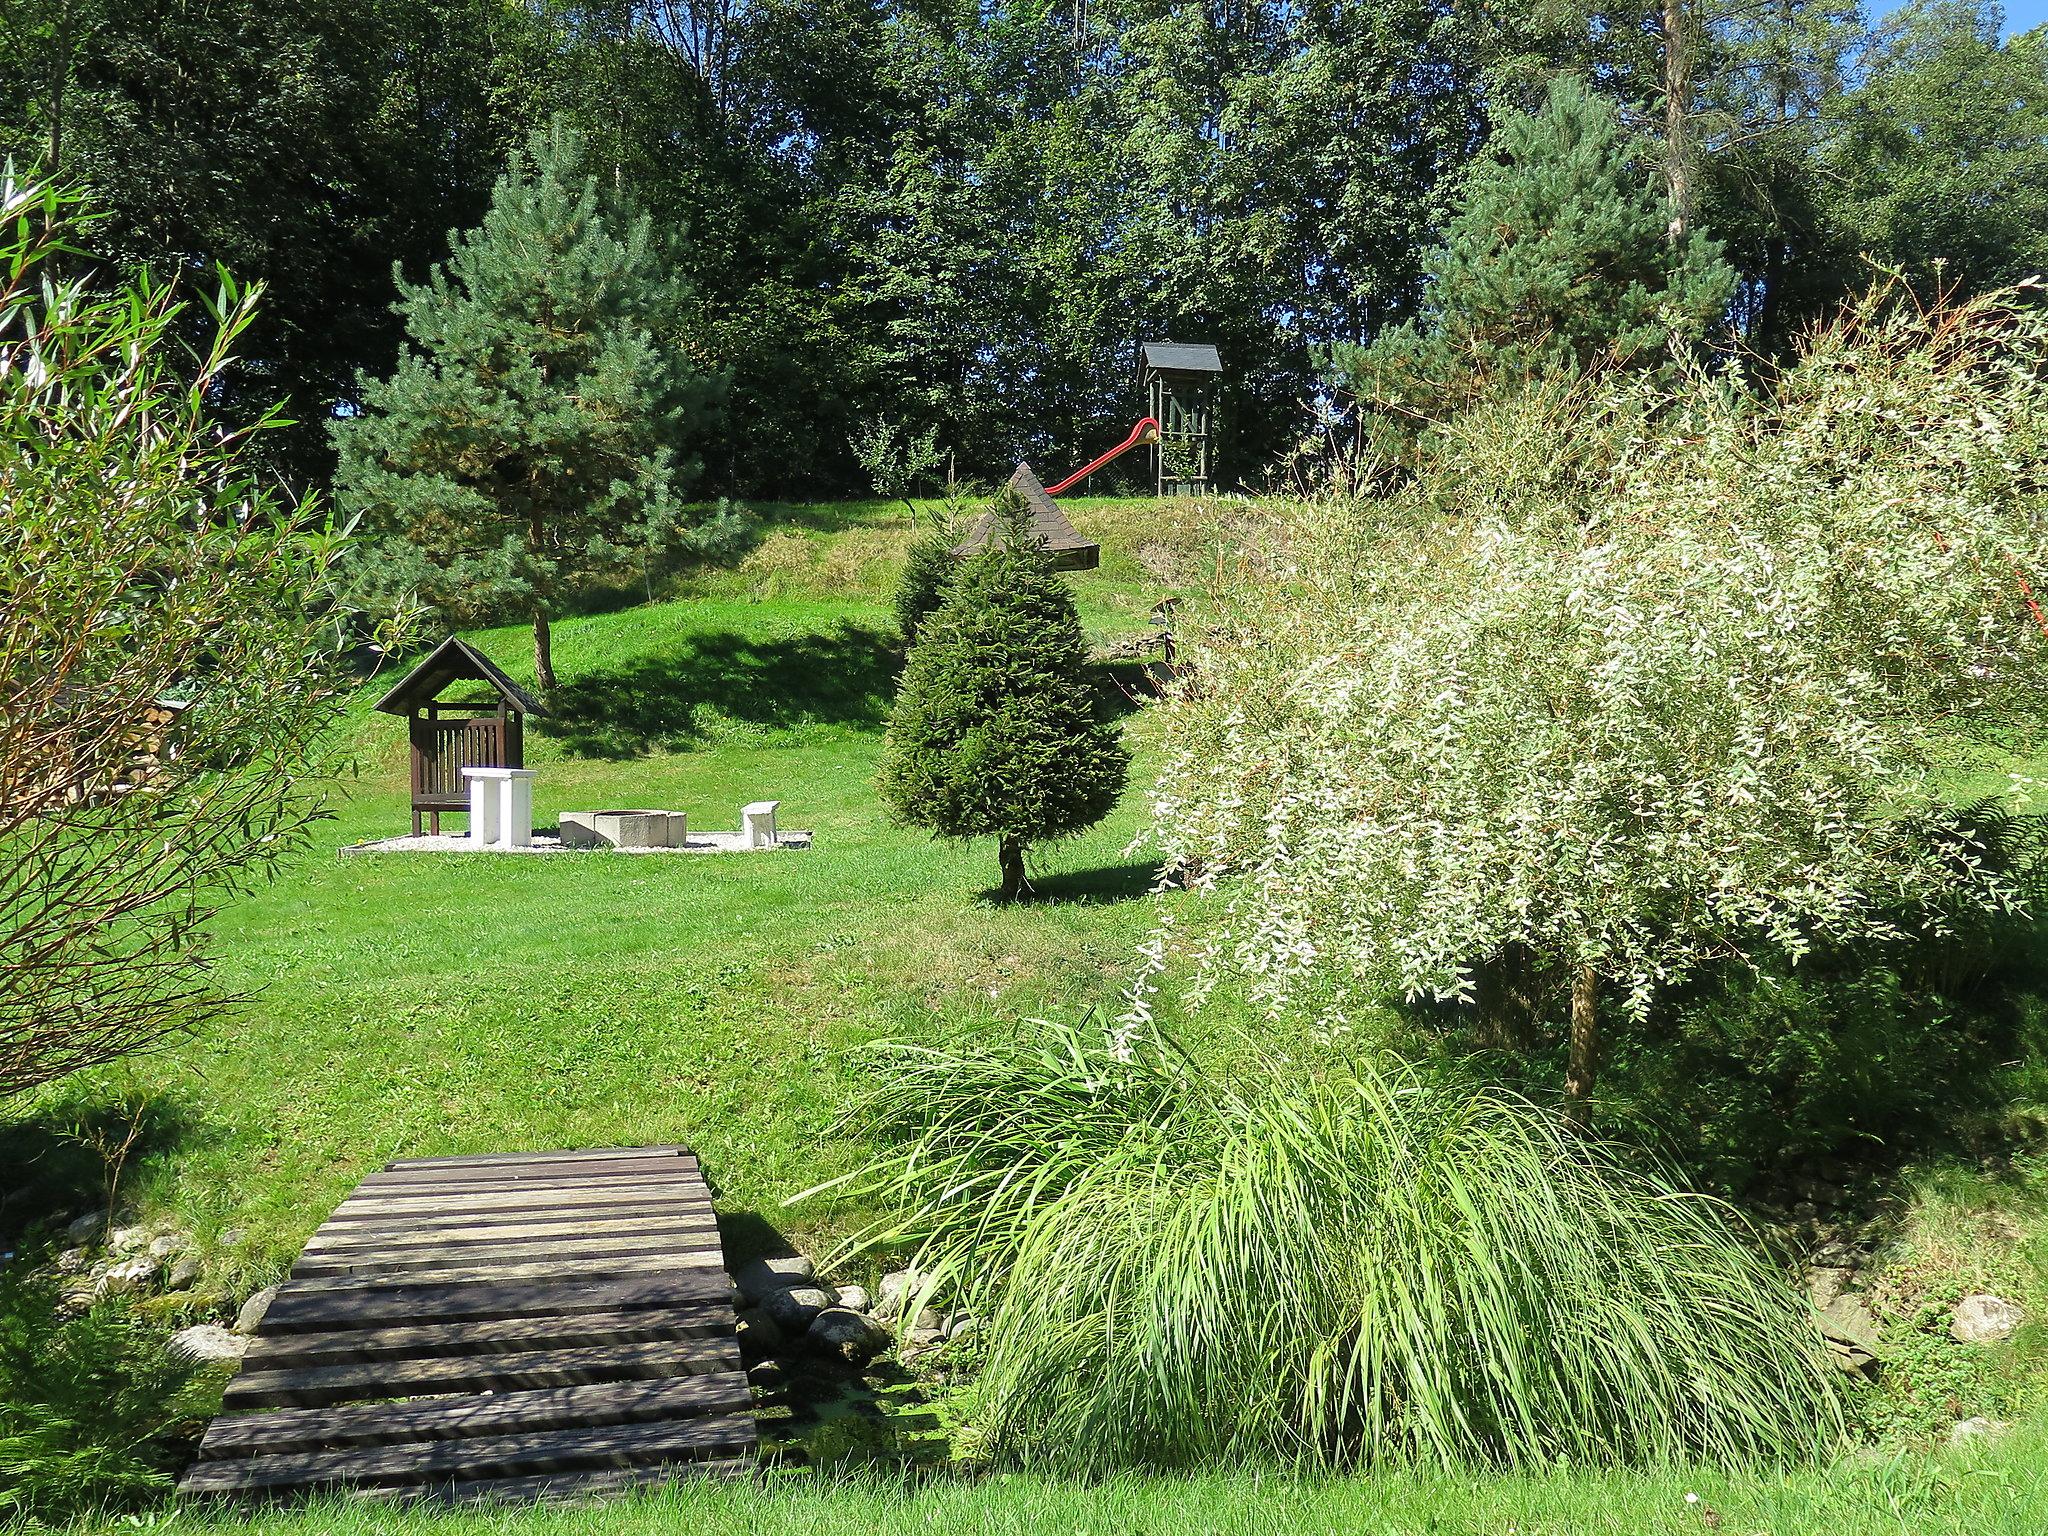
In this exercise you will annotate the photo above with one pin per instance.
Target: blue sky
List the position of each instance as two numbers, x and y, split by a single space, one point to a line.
2022 14
2019 14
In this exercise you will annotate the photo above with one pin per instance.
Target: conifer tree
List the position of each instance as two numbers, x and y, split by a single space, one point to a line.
928 568
1559 255
997 732
536 431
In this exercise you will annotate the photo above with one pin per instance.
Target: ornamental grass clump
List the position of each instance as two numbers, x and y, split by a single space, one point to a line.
1342 1264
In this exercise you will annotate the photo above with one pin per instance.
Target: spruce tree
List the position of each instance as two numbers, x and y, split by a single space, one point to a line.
1558 255
536 431
928 569
997 731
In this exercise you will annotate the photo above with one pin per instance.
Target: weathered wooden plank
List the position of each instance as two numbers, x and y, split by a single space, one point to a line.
601 1252
303 1311
495 1327
500 1159
496 1223
314 1386
504 1455
537 1191
357 1207
275 1351
528 1178
368 1273
448 1418
514 1236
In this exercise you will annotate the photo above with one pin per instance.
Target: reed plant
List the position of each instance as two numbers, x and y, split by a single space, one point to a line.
1341 1262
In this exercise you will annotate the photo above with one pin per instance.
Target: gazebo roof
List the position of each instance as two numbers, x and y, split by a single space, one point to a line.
1179 357
454 660
1049 526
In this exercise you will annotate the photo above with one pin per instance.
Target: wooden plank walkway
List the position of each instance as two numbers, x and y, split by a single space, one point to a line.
512 1327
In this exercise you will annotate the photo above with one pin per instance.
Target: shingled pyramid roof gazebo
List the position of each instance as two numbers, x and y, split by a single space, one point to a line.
1048 525
444 745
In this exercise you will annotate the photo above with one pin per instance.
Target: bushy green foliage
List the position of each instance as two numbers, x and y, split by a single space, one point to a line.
169 655
929 567
541 426
1325 1261
1557 256
95 1414
1939 162
1639 681
997 731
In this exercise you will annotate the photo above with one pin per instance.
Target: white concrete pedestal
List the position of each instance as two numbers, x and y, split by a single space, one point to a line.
500 807
757 824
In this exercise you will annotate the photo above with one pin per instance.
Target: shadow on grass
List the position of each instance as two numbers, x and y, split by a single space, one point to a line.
843 675
1102 886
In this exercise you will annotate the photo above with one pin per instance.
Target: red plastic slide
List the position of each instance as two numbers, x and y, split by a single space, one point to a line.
1146 431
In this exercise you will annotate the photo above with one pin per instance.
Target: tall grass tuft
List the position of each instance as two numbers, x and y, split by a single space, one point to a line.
1345 1264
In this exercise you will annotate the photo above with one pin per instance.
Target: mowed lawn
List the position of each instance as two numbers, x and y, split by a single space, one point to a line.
402 1005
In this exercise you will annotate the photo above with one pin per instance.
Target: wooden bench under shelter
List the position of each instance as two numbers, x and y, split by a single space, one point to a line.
443 744
516 1327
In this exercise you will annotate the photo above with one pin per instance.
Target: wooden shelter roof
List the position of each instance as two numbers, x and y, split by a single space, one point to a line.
454 660
1179 357
1049 526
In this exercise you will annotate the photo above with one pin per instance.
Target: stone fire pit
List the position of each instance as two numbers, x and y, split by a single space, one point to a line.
624 829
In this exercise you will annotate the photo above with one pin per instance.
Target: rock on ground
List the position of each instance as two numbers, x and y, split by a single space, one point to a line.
1852 1332
1978 1431
208 1344
794 1308
758 1279
894 1293
759 1334
130 1277
854 1298
1985 1319
847 1335
184 1274
83 1229
250 1318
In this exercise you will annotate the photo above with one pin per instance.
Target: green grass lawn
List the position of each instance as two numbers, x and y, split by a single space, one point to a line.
2000 1493
420 1004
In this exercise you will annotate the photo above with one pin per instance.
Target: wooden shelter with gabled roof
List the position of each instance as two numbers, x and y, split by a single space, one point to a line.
443 744
1048 525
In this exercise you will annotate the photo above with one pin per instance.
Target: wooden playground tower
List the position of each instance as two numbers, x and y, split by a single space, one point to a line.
1179 379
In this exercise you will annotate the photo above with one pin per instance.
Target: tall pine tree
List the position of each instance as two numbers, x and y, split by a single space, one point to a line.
1560 255
537 431
997 732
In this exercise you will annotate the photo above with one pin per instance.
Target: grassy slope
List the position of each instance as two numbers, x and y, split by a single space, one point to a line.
421 1004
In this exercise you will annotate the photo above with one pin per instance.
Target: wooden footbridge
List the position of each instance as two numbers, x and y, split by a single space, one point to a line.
499 1327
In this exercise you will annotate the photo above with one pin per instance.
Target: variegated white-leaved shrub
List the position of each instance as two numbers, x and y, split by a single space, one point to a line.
1632 682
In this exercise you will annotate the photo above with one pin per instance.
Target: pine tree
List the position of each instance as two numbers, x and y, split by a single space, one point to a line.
1560 254
997 732
536 430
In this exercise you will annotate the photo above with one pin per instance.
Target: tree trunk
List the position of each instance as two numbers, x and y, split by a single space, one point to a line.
543 651
1678 177
1506 989
1585 1052
1012 853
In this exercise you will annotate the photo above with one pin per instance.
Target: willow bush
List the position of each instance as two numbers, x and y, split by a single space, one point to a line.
1345 1264
1633 679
